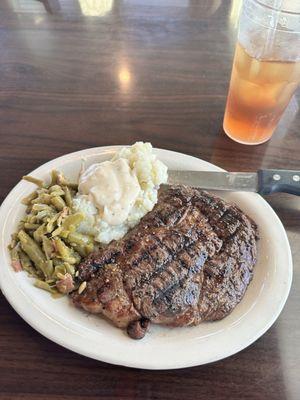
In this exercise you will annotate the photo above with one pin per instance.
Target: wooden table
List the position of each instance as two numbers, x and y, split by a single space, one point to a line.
74 76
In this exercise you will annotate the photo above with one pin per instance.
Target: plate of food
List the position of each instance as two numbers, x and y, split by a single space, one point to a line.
102 256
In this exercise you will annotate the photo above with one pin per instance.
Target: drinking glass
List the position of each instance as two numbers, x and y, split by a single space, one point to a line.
266 69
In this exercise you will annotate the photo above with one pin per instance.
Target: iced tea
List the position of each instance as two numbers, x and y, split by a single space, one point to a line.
259 92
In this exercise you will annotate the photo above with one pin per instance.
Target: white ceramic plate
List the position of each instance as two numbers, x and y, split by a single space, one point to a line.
162 348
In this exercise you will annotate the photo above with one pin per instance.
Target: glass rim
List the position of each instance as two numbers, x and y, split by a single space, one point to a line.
274 8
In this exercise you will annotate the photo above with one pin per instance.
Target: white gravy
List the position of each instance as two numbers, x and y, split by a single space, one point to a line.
112 187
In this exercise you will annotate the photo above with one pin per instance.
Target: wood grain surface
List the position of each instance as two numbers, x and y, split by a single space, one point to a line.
80 73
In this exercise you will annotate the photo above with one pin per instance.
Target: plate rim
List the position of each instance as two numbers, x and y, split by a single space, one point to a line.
42 328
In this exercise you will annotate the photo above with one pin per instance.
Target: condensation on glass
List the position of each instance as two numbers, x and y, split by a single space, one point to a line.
266 69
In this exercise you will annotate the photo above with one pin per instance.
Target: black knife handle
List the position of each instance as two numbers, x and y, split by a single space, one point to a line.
276 180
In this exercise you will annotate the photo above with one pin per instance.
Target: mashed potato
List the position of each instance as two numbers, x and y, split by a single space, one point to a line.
150 173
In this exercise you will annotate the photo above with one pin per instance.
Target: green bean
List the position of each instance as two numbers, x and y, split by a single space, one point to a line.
79 238
58 203
83 244
26 263
62 215
64 182
14 254
36 181
89 248
45 286
15 259
54 176
56 190
42 207
63 233
51 223
28 199
14 236
28 209
13 242
32 219
47 247
32 249
73 221
51 247
60 269
57 295
69 268
64 251
50 281
48 268
42 198
57 194
56 261
80 249
73 186
29 226
68 196
21 225
44 215
25 260
77 257
39 233
57 231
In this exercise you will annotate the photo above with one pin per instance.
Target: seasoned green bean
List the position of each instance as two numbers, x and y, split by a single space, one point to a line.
61 180
33 250
79 238
54 175
68 196
29 226
42 207
13 242
51 223
28 199
56 190
39 233
26 263
15 259
47 244
64 251
57 231
50 281
36 181
58 203
89 248
76 256
42 198
44 214
62 215
80 249
48 268
70 268
45 286
83 244
48 247
32 219
73 221
60 269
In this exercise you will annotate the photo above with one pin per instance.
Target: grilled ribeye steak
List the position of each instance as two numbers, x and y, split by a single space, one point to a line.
188 260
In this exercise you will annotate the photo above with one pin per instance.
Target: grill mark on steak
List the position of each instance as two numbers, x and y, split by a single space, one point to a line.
158 283
190 259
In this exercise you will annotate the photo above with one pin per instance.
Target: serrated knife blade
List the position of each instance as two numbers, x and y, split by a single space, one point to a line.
263 181
233 181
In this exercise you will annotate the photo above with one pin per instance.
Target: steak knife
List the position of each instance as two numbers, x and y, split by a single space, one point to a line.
264 181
